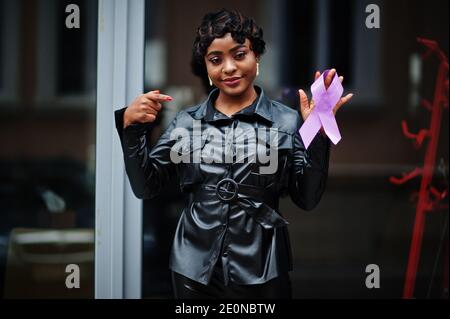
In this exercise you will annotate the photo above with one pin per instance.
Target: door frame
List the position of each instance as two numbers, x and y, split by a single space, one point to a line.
118 213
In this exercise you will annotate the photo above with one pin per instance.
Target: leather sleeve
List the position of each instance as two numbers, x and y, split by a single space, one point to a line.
148 169
309 171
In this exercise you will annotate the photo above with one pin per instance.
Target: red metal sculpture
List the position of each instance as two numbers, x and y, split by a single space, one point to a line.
429 198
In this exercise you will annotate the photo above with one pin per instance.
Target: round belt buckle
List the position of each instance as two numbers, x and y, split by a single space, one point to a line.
223 190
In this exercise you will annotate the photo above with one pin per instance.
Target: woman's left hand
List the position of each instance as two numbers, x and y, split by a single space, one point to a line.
307 107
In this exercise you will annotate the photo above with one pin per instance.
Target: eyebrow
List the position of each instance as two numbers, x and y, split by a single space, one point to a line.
231 50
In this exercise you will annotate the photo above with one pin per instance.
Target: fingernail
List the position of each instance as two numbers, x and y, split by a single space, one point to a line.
169 98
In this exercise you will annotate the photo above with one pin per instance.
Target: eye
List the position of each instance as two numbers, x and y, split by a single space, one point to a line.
214 60
240 55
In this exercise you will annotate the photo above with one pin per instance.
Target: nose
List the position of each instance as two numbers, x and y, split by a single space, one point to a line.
229 66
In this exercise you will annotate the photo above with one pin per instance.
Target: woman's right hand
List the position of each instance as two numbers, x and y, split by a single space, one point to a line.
145 108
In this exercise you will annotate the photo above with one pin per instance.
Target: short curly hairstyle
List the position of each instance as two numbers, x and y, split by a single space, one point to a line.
216 25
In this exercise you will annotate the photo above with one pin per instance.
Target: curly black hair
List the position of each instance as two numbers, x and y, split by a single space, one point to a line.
216 25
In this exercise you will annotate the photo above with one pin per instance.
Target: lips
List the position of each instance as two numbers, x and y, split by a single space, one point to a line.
232 81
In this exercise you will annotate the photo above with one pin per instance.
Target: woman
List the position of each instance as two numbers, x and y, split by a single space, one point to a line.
234 155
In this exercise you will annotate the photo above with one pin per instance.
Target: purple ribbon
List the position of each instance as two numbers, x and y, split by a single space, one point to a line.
322 114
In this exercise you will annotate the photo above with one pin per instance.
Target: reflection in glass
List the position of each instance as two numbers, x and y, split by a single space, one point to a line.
47 158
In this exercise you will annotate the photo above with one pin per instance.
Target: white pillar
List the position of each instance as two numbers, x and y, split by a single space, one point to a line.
120 66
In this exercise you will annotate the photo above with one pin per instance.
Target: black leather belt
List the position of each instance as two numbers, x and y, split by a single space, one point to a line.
256 201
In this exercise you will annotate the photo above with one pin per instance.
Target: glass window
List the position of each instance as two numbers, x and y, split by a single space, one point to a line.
70 57
2 26
47 158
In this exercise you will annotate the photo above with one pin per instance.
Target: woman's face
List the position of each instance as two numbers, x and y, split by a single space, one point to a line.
230 65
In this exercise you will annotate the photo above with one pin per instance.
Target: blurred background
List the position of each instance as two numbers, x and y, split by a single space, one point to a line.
48 78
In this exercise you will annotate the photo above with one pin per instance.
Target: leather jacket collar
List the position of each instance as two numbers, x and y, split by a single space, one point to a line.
263 107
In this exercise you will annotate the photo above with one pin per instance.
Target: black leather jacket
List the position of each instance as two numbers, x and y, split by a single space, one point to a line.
232 208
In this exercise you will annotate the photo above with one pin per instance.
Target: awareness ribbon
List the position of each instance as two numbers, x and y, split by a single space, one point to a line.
322 114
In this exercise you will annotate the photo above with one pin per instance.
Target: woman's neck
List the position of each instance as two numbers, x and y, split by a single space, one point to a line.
229 105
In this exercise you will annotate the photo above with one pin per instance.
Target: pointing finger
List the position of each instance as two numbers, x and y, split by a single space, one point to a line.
159 97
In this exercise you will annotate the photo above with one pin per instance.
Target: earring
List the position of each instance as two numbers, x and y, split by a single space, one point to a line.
257 69
210 82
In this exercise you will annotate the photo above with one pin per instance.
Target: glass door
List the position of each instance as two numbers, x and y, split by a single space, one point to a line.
48 62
